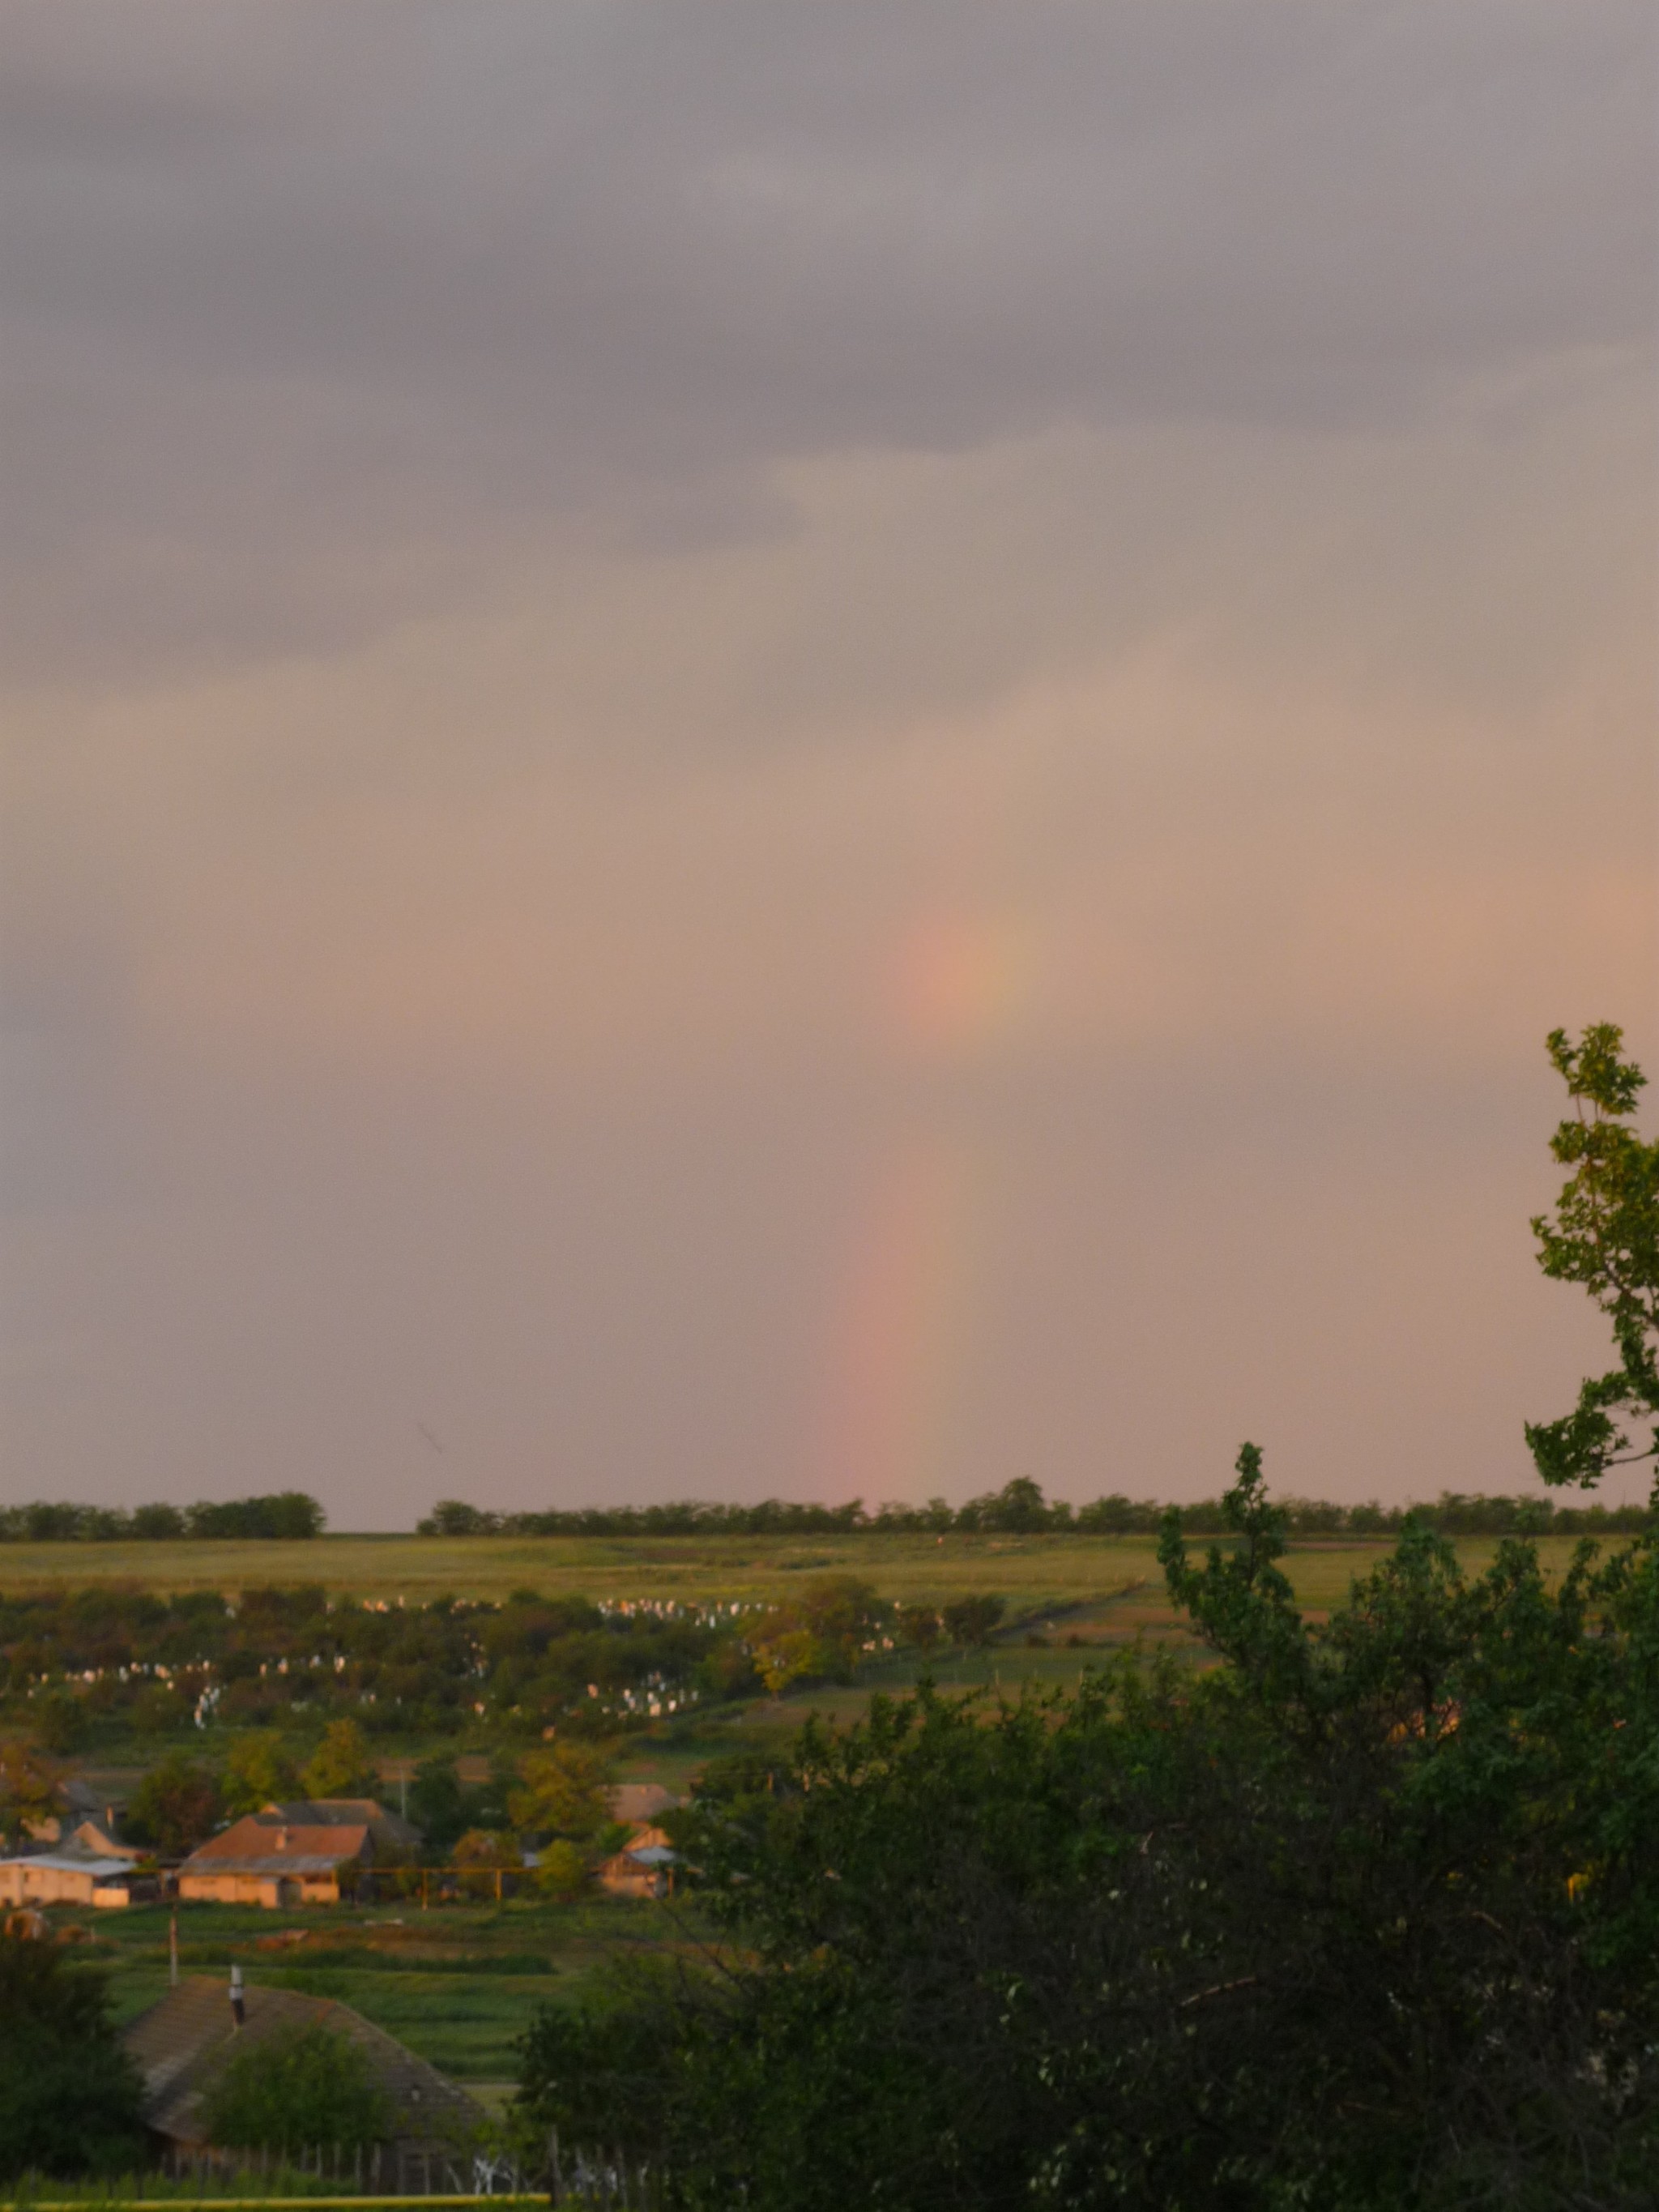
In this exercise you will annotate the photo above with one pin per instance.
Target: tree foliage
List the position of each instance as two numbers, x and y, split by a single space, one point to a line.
69 2098
1366 1915
176 1807
296 2087
259 1771
1604 1235
343 1765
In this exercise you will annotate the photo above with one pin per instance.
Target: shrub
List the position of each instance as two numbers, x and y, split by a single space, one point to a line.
563 1871
295 2087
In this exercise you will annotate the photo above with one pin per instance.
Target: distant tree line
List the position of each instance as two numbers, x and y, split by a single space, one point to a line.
284 1516
1020 1509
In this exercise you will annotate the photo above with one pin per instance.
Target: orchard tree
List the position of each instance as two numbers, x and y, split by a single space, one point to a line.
343 1765
175 1807
1604 1234
258 1772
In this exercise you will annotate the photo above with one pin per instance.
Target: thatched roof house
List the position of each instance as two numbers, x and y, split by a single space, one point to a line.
181 2045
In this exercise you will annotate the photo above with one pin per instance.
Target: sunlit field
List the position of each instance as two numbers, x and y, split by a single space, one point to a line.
1100 1582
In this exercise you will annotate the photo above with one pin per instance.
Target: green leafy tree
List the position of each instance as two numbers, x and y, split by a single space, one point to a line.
972 1621
786 1656
562 1792
259 1771
176 1807
69 2097
297 2086
438 1803
919 1626
28 1788
1604 1235
1364 1917
563 1871
1240 1602
343 1766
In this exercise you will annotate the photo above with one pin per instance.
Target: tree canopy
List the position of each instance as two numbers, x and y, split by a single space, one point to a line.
1604 1234
69 2098
295 2087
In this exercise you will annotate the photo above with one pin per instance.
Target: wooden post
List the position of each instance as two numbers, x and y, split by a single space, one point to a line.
423 1904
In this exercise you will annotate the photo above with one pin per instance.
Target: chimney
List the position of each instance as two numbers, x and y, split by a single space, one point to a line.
238 2005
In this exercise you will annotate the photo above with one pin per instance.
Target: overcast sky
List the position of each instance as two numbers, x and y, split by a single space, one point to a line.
809 751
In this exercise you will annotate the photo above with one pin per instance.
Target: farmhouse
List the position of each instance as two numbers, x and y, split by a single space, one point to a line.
181 2045
643 1867
74 1875
292 1854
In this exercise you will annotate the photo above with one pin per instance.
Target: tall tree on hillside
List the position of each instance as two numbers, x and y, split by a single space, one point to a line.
1604 1234
343 1765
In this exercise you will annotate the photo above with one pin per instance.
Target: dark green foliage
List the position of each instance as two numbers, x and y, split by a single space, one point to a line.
1367 1917
1020 1508
605 2071
972 1621
294 2087
68 2094
175 1807
1605 1235
278 1653
444 1808
284 1516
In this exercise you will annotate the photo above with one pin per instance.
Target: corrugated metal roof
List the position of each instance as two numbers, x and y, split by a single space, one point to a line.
181 2045
93 1862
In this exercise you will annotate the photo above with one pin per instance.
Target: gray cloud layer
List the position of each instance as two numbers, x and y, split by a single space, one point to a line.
843 747
310 307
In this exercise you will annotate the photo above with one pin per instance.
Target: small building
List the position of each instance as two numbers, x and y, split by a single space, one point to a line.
69 1876
181 2045
264 1860
78 1805
643 1867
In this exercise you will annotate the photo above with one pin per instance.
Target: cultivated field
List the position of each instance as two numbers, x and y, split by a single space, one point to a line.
1035 1574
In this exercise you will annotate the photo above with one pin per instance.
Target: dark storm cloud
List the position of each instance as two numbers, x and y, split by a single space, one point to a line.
315 310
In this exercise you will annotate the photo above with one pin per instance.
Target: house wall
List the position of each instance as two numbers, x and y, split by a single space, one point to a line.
22 1884
274 1891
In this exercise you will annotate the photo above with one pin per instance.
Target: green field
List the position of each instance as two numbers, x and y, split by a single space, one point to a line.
457 1983
1033 1572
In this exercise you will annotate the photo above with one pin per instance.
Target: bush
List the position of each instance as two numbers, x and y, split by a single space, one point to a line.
563 1872
296 2087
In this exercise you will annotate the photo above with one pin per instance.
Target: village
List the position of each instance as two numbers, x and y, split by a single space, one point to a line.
431 2133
